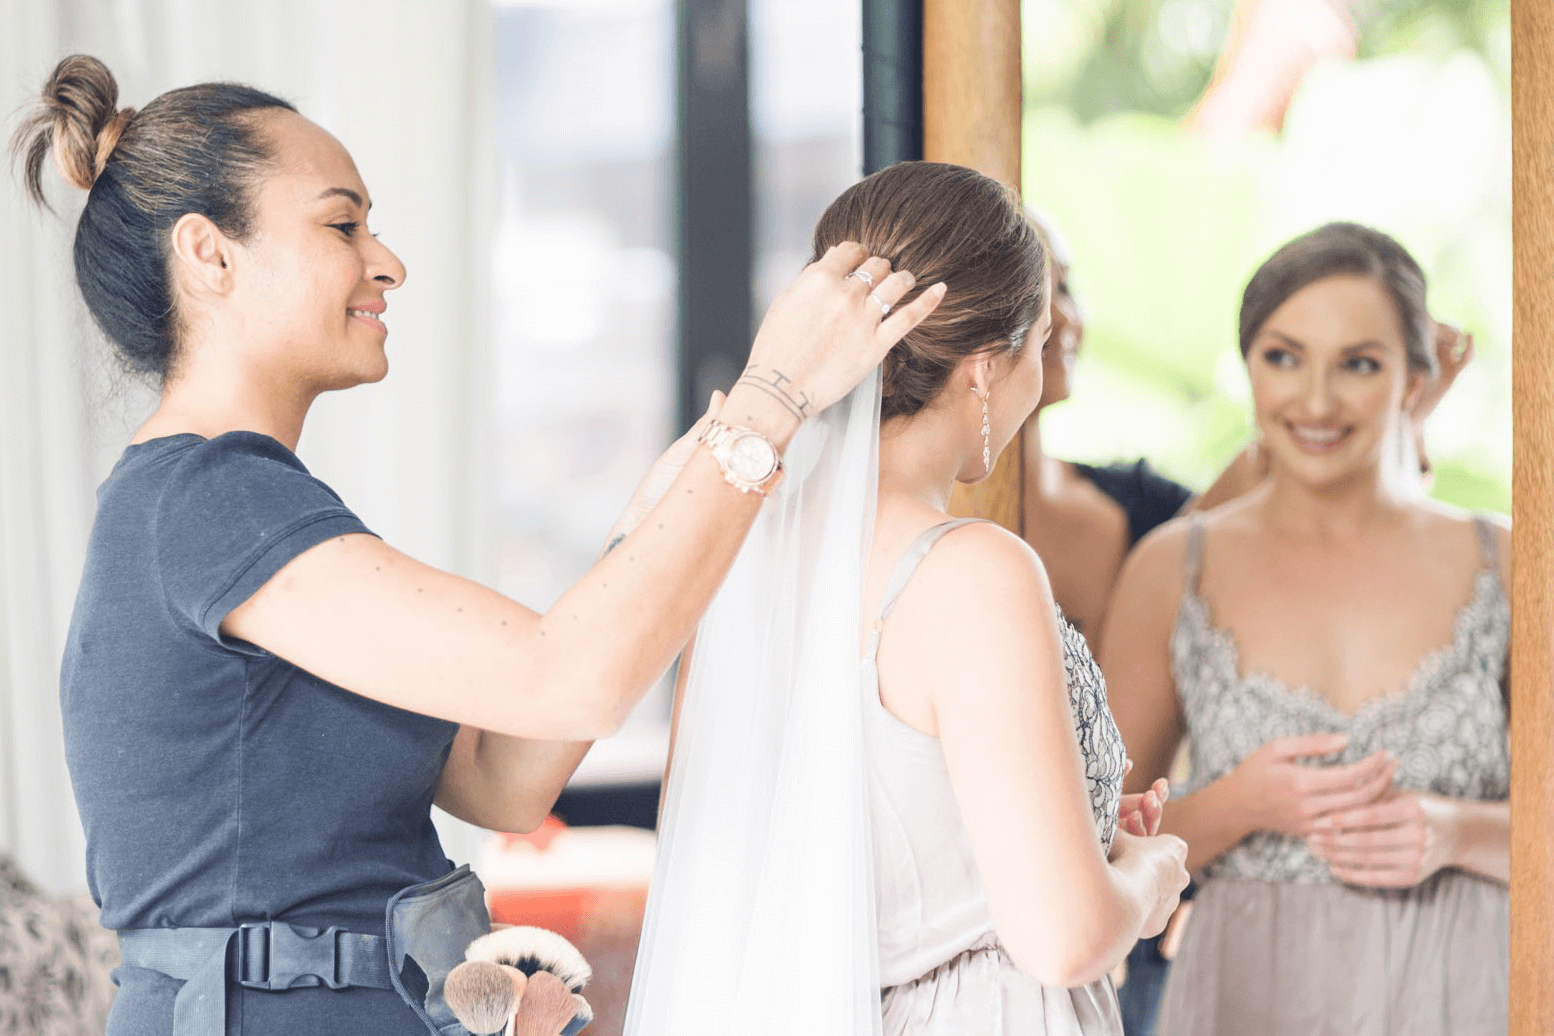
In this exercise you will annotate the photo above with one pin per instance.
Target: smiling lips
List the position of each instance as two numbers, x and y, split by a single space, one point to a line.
369 315
1317 439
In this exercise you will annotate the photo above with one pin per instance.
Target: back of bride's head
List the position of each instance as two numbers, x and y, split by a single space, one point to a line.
952 224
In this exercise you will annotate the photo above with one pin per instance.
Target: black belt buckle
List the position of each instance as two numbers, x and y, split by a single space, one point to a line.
274 955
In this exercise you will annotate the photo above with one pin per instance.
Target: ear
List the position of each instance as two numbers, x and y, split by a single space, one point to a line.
202 255
978 372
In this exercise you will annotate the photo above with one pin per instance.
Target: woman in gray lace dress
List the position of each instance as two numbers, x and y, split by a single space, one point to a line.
1333 646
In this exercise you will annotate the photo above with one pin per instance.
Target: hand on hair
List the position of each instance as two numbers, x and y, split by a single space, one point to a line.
1453 352
828 330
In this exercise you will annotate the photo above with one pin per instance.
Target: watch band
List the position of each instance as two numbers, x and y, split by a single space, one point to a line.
721 439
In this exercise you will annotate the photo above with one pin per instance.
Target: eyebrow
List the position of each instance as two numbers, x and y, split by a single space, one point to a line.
1369 343
344 192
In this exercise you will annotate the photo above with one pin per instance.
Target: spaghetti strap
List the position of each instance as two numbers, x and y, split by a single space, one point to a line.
1193 559
1488 542
913 556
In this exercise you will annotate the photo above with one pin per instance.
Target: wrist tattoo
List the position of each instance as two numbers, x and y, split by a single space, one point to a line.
776 384
615 541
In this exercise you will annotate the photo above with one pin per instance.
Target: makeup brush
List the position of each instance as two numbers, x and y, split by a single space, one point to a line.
526 977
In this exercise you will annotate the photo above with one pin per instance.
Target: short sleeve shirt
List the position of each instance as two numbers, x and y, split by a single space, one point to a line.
1148 498
218 783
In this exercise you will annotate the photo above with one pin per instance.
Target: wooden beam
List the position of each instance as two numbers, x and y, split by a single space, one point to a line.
971 116
1532 538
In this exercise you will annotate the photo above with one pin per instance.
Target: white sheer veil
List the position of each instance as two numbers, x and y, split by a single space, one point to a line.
760 919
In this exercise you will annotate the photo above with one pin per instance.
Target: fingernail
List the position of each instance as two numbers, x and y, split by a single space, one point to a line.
941 288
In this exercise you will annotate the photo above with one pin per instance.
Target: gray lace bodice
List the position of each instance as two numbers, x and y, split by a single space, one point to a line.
1447 727
1100 743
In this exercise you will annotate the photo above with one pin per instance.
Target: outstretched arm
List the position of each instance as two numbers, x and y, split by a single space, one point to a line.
360 614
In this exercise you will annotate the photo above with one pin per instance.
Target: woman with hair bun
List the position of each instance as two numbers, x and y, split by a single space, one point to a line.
995 767
1333 645
968 787
262 699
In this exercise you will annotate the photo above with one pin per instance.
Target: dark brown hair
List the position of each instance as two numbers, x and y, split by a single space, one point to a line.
197 149
952 224
1343 248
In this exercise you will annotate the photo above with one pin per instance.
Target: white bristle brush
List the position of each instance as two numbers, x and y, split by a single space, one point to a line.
525 980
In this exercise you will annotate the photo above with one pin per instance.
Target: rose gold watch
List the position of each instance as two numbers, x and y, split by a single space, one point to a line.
749 460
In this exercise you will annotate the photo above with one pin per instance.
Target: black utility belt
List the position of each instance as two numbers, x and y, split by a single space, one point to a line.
430 923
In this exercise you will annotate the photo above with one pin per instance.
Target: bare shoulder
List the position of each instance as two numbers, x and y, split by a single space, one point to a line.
1156 567
1454 525
982 566
1447 520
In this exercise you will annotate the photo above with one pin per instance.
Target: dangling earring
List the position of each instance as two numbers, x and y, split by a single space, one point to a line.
987 446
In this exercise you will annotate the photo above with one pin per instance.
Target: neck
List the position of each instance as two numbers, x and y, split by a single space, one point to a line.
1340 510
211 398
1048 471
920 457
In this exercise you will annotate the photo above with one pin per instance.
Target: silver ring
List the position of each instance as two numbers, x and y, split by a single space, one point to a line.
881 303
863 275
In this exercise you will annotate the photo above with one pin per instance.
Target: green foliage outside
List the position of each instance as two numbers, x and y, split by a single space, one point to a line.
1165 228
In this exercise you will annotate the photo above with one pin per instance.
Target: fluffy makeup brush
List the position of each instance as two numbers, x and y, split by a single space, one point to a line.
521 981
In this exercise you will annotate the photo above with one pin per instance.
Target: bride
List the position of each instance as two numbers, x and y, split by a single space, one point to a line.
894 804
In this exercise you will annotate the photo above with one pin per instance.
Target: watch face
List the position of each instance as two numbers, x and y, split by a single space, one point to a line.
751 458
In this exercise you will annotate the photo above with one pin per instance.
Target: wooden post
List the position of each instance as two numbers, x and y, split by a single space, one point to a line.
971 116
1532 538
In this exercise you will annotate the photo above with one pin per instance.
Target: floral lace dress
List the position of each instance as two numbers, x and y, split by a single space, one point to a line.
942 967
1276 945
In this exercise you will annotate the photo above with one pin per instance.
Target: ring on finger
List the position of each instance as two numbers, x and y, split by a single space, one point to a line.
881 303
863 275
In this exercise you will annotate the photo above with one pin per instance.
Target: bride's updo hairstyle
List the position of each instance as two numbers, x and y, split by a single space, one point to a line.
1343 248
952 224
197 149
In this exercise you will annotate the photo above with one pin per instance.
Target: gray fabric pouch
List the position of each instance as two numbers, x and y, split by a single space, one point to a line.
432 924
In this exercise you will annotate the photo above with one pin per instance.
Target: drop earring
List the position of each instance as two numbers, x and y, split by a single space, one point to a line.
987 446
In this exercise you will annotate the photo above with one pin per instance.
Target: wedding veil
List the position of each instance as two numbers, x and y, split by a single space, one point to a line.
760 918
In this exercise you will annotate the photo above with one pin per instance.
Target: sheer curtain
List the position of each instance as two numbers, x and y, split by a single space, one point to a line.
406 86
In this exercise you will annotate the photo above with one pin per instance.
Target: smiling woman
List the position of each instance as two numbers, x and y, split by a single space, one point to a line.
262 700
1333 646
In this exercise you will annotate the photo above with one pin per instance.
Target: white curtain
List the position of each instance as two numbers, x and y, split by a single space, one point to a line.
406 85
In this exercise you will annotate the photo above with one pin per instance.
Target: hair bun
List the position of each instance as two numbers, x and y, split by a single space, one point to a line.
108 139
78 123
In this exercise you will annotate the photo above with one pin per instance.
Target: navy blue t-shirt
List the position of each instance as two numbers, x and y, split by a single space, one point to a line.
219 784
1148 498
